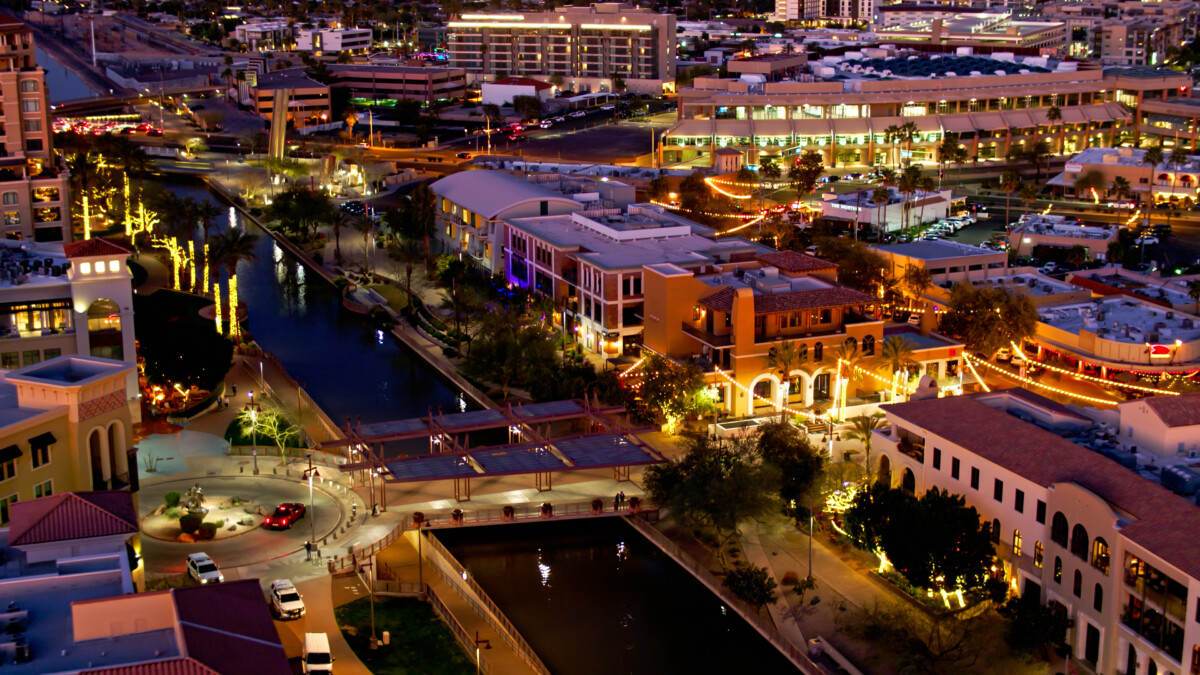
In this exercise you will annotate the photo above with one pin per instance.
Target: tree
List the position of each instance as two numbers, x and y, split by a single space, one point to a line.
987 318
797 462
408 252
754 585
927 185
671 390
782 358
907 184
269 425
1010 182
1034 628
804 174
941 644
880 197
1121 189
896 355
1037 155
420 216
658 189
528 107
492 112
618 83
1054 116
863 426
228 249
769 169
716 484
915 280
1152 159
858 266
1029 195
1077 255
1088 182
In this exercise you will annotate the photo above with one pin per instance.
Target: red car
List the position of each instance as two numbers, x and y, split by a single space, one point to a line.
285 515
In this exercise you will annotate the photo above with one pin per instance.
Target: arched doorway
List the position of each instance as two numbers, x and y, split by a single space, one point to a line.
764 391
908 482
104 330
117 461
885 471
96 453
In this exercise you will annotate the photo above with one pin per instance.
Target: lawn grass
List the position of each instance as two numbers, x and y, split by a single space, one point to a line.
420 643
396 298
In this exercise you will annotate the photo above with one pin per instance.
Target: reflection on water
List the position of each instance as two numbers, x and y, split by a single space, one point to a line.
62 84
593 597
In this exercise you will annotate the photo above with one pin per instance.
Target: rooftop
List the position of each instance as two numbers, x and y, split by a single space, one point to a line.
975 26
935 250
1063 226
523 82
72 515
289 78
1123 319
1128 157
938 65
1048 448
1176 411
25 263
1141 72
70 369
1026 283
776 293
914 335
490 193
96 246
791 261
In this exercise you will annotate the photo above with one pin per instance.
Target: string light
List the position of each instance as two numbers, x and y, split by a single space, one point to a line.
744 226
975 373
781 408
1081 376
630 369
707 213
1039 385
712 184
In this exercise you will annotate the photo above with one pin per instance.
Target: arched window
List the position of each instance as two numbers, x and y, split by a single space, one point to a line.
1037 554
1098 598
1057 570
818 352
995 530
801 353
1100 554
1077 586
1058 529
1016 542
850 345
10 198
28 86
868 346
1079 542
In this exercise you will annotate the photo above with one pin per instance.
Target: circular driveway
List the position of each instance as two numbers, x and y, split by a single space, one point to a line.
253 547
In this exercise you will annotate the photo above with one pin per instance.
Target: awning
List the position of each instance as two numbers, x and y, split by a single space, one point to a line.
692 128
957 124
1073 116
1039 116
858 126
811 127
989 121
927 123
1098 113
772 128
43 440
1019 119
880 124
10 453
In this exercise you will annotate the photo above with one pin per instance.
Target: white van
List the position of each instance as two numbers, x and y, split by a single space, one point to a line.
317 658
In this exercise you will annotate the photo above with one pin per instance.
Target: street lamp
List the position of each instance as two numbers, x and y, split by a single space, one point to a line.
253 408
374 642
485 643
312 520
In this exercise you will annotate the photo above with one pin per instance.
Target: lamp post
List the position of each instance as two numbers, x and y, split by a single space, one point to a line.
374 642
485 643
312 520
253 408
420 558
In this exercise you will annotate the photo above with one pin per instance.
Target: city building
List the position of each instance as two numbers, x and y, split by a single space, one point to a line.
35 197
333 40
305 100
1100 166
1034 232
1117 333
1072 524
583 47
818 11
859 207
1040 289
591 263
844 105
1171 293
947 262
994 29
1165 426
907 13
271 34
1136 42
502 92
727 316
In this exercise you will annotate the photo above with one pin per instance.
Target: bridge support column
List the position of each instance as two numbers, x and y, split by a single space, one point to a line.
544 481
462 489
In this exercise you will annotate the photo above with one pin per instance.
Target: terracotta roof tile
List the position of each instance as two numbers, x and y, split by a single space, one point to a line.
791 261
790 301
93 247
180 666
72 515
1164 523
1176 411
722 300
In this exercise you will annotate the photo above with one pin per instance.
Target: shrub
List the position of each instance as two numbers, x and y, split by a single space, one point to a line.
220 522
449 352
189 523
206 531
171 499
173 513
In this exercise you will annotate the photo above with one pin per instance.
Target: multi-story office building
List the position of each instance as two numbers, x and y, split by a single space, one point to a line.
271 34
993 30
1135 42
1149 184
35 201
587 47
1075 519
843 106
334 40
817 11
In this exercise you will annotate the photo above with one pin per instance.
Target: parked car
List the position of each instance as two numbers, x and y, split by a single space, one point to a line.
316 657
1004 355
546 124
285 516
1147 240
608 107
577 114
1049 268
463 155
286 600
202 568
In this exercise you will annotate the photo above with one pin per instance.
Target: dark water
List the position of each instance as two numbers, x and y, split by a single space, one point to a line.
595 598
347 366
62 84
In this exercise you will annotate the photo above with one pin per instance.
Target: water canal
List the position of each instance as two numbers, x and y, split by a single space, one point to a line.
594 597
61 83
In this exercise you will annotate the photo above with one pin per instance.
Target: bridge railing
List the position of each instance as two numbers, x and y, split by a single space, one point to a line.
350 560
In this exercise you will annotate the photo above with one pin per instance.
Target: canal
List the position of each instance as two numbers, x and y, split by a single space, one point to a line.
61 83
593 597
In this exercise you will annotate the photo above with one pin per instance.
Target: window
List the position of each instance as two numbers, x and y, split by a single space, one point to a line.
40 455
4 508
31 356
1077 584
998 491
1100 555
28 86
1041 512
1019 501
42 490
954 468
1098 598
1079 542
1057 570
868 345
1058 529
34 145
1037 554
33 125
10 198
51 353
937 458
10 360
8 470
31 105
995 530
818 352
1016 542
974 478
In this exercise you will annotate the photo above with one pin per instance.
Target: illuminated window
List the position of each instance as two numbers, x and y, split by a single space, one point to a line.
85 268
1016 542
1037 554
12 218
114 266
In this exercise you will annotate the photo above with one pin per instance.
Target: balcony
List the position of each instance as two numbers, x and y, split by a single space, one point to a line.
706 337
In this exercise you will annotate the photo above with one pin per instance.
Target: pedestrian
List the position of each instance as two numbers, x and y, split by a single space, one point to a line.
308 550
233 388
622 493
617 502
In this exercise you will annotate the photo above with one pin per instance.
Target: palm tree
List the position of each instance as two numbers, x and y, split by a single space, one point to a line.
1193 291
1054 116
896 356
862 430
1176 160
206 212
409 252
890 135
341 220
228 249
849 358
1010 182
880 197
1153 157
780 359
1121 189
907 184
915 280
926 184
367 227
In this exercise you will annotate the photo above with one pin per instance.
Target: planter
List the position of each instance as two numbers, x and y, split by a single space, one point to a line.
635 504
456 516
418 518
597 506
508 513
547 510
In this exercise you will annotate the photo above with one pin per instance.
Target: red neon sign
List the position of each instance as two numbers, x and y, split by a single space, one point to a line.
1159 351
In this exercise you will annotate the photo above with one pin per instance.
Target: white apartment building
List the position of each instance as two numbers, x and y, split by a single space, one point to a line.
332 41
1071 523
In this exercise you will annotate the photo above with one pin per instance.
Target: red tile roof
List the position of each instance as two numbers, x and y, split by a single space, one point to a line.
791 261
1176 411
722 300
93 247
1163 523
1101 288
180 666
524 82
72 515
229 628
790 301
